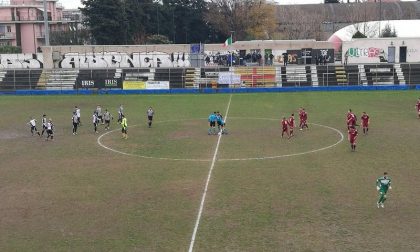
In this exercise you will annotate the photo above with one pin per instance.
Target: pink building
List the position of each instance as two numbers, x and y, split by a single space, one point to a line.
22 23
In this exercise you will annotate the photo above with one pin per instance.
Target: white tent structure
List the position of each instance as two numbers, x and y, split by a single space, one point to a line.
403 28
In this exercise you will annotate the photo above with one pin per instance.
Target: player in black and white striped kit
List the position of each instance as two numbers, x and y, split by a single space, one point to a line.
77 110
32 123
50 130
120 113
99 114
95 121
75 121
107 117
44 124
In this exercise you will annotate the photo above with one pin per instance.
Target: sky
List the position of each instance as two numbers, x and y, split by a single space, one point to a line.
73 4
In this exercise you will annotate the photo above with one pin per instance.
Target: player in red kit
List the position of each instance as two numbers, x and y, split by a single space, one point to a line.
300 118
284 125
351 119
352 136
418 108
291 123
365 122
303 117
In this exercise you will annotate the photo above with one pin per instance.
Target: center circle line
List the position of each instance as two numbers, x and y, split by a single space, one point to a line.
99 141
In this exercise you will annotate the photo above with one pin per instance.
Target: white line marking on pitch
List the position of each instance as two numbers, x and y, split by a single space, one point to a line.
293 154
99 141
203 198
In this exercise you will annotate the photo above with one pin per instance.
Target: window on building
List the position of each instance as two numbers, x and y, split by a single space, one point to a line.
9 28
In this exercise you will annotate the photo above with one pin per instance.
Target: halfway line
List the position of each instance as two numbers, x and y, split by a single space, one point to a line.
203 198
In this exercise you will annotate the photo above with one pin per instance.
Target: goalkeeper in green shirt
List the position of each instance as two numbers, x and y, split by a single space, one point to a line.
382 185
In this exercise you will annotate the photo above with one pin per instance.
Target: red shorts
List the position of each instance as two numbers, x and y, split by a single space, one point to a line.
352 140
284 129
365 125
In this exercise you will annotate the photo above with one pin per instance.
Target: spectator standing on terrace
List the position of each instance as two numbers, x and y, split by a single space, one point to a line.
284 124
365 122
150 113
120 113
107 117
32 124
320 60
352 136
346 57
271 57
44 124
285 58
50 130
124 127
382 185
418 108
75 122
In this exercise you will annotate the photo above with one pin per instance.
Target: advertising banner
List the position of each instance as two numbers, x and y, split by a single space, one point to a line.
157 84
306 55
319 55
293 56
229 78
110 83
99 83
134 85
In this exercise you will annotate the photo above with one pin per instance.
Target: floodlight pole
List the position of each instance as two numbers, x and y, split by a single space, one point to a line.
47 31
380 17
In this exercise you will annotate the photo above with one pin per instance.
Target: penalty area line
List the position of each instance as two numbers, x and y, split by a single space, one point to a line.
203 197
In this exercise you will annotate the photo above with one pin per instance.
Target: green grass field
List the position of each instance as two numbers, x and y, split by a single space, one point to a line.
265 193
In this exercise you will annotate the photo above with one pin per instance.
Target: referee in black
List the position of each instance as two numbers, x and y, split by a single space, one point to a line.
150 113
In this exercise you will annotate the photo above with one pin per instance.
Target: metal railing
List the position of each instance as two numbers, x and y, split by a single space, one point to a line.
207 77
7 35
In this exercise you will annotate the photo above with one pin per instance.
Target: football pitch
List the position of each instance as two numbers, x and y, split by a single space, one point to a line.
173 187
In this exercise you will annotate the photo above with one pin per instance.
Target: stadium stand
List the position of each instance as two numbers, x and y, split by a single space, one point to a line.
381 74
411 73
20 79
58 78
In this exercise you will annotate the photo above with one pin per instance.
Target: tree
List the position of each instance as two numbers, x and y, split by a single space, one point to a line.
10 49
360 15
157 39
142 18
183 21
250 19
78 37
106 20
358 34
301 24
388 32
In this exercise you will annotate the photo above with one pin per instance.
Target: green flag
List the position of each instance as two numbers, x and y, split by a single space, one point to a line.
228 41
